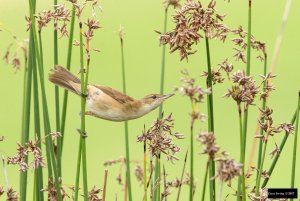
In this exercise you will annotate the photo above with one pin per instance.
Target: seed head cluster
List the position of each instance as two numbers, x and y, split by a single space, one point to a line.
243 89
159 138
228 169
241 45
22 153
208 139
189 20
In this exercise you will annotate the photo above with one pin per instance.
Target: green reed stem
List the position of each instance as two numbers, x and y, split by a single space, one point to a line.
263 107
210 110
242 157
57 111
163 63
162 83
191 160
271 169
245 123
84 83
126 126
145 171
182 174
261 168
293 176
49 145
68 66
26 114
76 189
204 181
38 173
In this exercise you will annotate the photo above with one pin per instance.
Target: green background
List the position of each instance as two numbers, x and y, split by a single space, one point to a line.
143 60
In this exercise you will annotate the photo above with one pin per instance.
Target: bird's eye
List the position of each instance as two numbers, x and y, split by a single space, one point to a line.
154 97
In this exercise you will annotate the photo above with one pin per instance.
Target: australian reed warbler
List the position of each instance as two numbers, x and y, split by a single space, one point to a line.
104 102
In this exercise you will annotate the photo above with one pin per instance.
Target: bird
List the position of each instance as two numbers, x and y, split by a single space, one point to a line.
105 102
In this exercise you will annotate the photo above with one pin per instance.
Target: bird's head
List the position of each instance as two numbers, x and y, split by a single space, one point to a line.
152 101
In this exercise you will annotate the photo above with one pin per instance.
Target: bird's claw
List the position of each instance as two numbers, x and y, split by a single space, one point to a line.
82 133
84 95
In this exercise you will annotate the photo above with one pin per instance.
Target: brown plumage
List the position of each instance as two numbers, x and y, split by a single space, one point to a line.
105 102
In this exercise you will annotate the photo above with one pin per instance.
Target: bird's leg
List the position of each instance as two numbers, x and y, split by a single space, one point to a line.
82 133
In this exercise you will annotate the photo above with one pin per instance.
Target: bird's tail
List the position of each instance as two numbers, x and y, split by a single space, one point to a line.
64 78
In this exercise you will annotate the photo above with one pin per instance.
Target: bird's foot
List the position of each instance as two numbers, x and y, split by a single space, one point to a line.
84 95
82 133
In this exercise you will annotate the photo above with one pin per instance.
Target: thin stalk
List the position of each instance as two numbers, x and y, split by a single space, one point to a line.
163 63
57 111
263 107
84 82
210 109
165 183
126 125
38 173
221 191
68 66
204 181
271 169
182 174
241 181
5 172
49 145
191 161
145 171
162 83
34 185
245 119
76 189
26 115
261 168
105 185
159 175
149 181
293 176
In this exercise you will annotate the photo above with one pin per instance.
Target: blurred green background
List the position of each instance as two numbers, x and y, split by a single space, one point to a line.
143 61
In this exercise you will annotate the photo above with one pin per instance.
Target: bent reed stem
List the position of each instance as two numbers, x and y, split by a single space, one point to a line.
295 146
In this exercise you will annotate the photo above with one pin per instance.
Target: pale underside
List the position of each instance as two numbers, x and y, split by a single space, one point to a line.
107 103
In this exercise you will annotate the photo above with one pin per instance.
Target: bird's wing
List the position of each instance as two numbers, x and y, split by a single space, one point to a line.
118 96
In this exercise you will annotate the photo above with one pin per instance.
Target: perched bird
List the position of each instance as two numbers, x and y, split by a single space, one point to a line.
104 102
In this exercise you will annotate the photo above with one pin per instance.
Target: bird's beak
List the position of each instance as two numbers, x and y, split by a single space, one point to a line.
164 97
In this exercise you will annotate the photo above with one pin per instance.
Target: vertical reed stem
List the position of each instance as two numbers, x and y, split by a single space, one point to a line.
68 66
126 126
192 160
84 81
47 127
210 110
263 107
241 180
245 123
162 83
57 97
261 168
145 171
26 115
